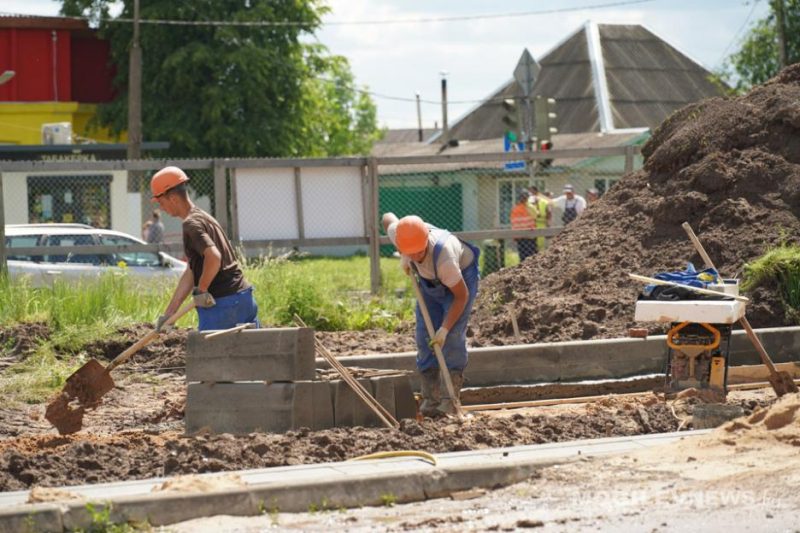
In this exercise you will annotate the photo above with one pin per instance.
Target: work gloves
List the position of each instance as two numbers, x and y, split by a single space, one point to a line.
203 298
440 336
160 323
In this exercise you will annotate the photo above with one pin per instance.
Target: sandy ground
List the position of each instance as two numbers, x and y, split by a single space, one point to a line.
743 476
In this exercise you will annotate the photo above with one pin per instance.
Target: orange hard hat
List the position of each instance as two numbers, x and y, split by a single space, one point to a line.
166 179
411 235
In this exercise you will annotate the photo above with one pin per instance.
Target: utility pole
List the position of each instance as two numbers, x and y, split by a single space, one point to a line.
777 5
135 91
419 119
444 106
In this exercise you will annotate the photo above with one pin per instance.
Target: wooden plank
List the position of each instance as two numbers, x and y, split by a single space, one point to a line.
753 373
278 354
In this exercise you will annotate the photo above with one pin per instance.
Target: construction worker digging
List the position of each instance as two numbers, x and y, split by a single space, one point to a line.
447 268
221 294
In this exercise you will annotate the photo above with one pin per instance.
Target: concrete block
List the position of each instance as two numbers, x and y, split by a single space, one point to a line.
249 407
279 354
349 409
322 402
404 404
44 517
384 387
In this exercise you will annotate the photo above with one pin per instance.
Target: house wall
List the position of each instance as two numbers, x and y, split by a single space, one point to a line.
124 210
22 121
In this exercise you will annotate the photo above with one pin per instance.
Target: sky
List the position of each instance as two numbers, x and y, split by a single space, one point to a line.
478 55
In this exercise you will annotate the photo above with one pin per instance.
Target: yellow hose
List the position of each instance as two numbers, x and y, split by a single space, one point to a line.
400 453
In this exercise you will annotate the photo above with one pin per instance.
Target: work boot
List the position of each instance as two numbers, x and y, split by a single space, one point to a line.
431 392
447 406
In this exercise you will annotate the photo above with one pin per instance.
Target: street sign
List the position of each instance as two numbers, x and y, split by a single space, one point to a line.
526 71
512 145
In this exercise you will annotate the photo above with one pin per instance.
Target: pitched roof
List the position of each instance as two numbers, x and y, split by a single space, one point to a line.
404 135
604 77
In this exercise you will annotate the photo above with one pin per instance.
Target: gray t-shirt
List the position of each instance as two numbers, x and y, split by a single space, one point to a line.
454 257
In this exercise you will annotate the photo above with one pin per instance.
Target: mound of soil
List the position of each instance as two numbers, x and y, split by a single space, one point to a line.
19 340
728 166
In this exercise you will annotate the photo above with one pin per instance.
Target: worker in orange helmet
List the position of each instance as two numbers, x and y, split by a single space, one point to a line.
215 280
447 268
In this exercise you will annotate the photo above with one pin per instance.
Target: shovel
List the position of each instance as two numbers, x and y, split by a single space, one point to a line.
782 382
436 348
85 388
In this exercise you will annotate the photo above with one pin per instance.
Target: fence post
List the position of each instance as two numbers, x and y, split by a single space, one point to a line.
2 230
221 195
629 150
373 227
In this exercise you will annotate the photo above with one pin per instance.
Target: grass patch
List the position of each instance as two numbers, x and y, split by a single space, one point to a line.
779 267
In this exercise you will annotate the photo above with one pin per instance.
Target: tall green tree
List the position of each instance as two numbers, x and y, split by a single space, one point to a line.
222 90
757 59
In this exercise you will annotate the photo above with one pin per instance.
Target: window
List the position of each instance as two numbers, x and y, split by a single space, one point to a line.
22 241
147 259
75 240
604 184
69 198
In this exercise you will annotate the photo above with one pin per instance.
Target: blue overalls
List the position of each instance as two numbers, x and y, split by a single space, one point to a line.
229 310
438 298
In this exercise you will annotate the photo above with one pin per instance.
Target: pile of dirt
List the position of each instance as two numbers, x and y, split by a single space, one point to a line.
779 422
728 166
52 461
19 340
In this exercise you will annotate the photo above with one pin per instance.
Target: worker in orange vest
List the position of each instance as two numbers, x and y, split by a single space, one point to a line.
521 219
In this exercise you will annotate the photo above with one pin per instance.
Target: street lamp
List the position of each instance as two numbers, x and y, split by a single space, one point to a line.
6 76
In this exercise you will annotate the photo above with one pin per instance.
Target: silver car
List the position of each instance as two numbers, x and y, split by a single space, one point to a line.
42 270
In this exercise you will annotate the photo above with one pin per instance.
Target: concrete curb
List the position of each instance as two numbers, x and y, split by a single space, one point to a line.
331 486
583 360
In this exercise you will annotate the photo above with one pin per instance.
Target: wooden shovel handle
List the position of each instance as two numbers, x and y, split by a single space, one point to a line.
436 348
762 352
147 339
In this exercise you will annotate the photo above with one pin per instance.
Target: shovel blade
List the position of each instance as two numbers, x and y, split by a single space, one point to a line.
782 383
89 383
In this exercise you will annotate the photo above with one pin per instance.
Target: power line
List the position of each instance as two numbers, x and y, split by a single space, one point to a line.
736 35
423 20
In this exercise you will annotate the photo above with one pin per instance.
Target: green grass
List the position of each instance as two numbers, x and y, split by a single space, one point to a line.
327 293
780 266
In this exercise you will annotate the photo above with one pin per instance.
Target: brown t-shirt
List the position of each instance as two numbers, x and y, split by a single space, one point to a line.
200 231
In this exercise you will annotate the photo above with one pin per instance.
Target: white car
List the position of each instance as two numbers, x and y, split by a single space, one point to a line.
42 270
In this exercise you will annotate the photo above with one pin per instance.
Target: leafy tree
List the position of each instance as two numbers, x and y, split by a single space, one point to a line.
757 60
247 91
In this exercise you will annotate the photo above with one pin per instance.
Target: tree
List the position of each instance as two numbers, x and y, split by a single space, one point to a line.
247 91
758 58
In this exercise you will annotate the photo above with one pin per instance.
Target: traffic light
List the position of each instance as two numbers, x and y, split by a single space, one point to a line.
544 112
511 118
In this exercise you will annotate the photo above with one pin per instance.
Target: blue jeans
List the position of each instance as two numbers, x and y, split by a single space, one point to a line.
230 310
438 299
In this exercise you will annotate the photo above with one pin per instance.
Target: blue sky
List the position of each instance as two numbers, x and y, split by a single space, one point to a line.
479 55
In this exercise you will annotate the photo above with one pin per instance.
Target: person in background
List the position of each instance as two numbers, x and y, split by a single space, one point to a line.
521 219
592 195
539 205
448 277
213 277
570 203
154 233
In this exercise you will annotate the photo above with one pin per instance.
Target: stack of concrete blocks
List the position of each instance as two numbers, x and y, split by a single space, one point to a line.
263 380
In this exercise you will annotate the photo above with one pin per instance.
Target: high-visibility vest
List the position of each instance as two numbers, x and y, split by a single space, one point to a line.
538 209
521 218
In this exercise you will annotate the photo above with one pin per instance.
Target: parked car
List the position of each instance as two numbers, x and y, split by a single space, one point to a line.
61 264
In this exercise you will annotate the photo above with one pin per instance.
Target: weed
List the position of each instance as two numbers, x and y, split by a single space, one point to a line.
101 522
388 499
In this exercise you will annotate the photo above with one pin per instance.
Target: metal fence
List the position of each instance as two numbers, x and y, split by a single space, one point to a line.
328 206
